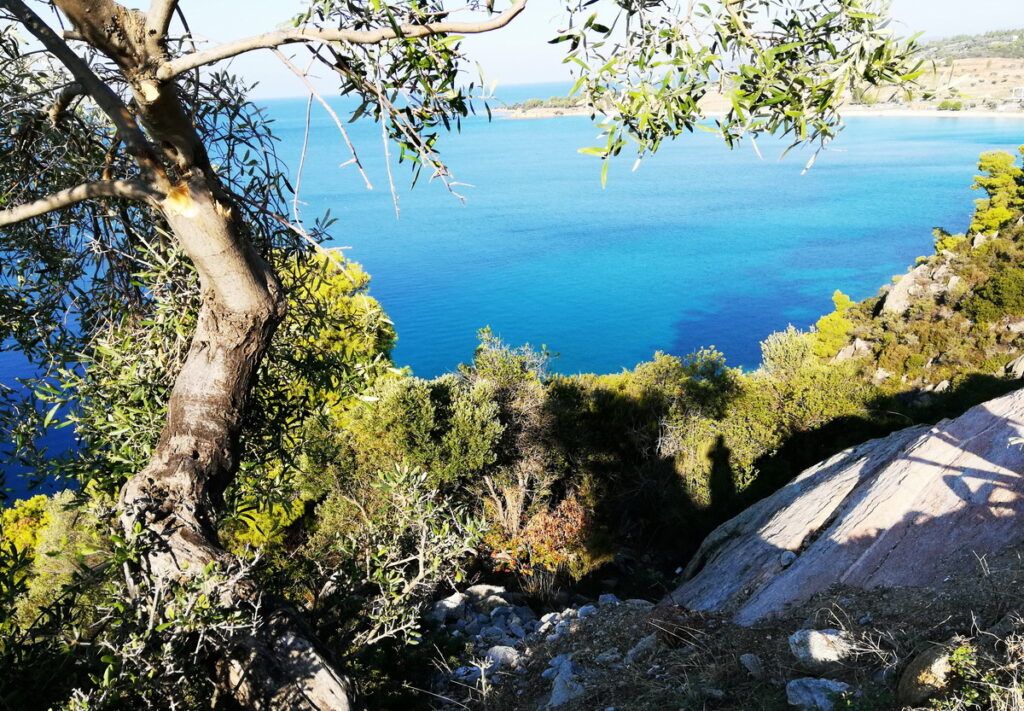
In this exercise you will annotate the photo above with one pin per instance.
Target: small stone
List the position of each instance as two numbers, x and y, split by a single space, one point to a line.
608 599
815 694
478 593
564 687
607 657
492 633
517 631
641 649
787 558
467 674
925 676
753 664
1015 368
637 602
503 656
815 648
450 608
551 617
568 613
586 611
492 603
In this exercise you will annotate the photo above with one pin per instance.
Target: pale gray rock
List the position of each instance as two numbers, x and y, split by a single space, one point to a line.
481 592
816 648
607 599
500 656
586 611
642 648
450 608
608 657
787 558
902 293
909 509
858 348
565 686
642 604
815 694
1015 368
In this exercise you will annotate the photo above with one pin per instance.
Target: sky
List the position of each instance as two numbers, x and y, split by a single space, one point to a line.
520 54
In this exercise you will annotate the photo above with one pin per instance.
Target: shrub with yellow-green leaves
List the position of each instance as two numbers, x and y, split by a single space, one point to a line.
1003 184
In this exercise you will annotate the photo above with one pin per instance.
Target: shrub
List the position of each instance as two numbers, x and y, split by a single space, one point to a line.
951 105
1002 295
1002 184
832 331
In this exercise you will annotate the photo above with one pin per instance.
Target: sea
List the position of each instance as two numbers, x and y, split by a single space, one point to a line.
696 246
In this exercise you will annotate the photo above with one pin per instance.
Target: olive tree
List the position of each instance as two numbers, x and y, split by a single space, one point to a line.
118 133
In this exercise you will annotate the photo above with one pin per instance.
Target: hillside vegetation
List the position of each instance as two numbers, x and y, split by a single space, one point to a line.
1002 44
553 485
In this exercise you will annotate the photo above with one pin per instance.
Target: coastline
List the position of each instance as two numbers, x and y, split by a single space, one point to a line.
865 111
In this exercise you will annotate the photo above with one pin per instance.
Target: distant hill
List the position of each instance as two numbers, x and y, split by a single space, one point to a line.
1003 44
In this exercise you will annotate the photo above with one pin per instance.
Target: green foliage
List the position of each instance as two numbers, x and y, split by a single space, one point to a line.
832 331
1008 44
951 105
388 549
944 241
1003 183
648 79
1002 295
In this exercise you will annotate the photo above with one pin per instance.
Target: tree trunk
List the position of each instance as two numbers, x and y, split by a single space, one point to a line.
176 495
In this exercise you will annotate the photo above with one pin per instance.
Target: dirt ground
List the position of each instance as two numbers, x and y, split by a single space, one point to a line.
695 664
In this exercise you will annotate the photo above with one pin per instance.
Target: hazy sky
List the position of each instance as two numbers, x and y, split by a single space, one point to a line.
519 54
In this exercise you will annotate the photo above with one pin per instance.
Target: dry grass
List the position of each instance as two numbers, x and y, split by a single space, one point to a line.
696 665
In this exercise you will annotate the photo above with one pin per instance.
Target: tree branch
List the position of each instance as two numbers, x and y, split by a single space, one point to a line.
68 94
129 189
109 102
269 40
159 16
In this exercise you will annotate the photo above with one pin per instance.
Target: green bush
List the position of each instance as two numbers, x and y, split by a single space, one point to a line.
951 105
1002 295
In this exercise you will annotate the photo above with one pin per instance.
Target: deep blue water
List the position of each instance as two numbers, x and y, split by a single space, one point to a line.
700 246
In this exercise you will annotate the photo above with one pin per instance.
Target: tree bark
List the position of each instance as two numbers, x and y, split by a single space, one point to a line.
175 497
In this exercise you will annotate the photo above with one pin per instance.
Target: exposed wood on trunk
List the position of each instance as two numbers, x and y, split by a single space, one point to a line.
176 495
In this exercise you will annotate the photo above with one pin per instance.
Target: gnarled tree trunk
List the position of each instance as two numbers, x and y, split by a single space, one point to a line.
175 496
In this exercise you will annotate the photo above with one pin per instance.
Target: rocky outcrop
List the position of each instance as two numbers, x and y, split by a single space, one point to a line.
932 279
906 510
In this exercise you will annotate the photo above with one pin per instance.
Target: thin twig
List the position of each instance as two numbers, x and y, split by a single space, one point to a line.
303 76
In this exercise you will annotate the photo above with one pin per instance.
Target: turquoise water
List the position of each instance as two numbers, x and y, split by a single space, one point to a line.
700 246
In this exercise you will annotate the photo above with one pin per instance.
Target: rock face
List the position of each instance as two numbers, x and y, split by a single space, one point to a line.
932 279
905 510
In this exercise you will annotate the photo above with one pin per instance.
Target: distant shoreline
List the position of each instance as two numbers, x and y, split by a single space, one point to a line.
867 111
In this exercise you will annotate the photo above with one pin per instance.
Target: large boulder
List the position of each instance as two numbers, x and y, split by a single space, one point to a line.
925 676
906 510
819 648
904 291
